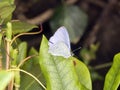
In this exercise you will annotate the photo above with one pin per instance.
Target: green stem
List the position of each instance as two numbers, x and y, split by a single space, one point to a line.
103 66
8 40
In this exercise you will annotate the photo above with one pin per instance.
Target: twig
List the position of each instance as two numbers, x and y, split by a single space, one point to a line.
31 33
24 60
43 16
38 19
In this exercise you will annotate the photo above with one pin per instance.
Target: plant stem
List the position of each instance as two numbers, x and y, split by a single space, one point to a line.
7 54
8 41
10 86
22 62
103 66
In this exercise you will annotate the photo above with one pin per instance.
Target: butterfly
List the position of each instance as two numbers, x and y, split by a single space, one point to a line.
59 43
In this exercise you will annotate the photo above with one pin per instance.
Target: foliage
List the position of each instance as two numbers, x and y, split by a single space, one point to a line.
112 79
5 78
21 69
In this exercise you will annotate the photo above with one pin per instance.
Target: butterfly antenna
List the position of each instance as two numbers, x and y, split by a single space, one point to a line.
76 49
51 42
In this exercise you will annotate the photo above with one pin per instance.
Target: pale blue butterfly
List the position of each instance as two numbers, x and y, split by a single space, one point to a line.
59 43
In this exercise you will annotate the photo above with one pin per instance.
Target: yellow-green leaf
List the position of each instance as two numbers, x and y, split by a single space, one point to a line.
112 79
83 74
21 27
6 9
5 78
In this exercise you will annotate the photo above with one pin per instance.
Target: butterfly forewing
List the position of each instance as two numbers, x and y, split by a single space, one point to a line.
61 35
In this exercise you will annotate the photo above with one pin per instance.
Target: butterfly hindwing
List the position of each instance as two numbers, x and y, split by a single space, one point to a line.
60 49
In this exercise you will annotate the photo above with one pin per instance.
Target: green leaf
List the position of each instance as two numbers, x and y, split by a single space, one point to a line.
73 18
6 9
3 54
32 66
22 51
21 27
9 1
5 78
59 72
112 79
83 74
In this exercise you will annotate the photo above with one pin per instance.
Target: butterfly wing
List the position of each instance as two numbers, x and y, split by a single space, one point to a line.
59 43
61 35
60 49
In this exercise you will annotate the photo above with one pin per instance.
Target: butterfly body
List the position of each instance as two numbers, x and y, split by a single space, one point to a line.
59 43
